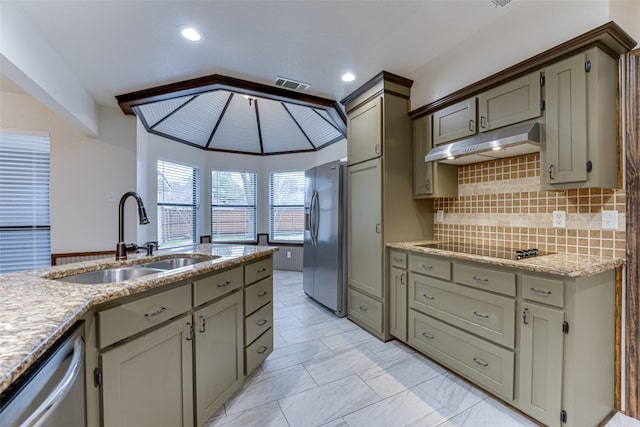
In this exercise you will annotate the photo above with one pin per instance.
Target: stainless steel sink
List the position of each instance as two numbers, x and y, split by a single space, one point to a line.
171 263
109 275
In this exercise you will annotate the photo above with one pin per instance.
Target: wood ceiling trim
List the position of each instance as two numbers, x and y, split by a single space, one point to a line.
173 112
298 124
215 128
613 39
259 125
219 82
380 77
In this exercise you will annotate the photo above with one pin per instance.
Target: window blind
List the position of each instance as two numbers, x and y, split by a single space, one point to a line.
25 224
177 204
286 206
233 206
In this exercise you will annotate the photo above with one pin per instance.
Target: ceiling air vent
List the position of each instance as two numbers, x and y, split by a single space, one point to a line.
500 3
291 84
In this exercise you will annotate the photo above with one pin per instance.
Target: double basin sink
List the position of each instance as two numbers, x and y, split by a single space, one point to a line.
120 274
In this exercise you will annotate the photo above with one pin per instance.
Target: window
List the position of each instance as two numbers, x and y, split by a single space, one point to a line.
233 206
177 204
25 224
286 206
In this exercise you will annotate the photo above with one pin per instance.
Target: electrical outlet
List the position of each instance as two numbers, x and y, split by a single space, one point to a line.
440 216
610 220
288 254
559 219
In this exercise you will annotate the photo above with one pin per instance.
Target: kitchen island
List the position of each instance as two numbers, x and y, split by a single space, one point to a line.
36 309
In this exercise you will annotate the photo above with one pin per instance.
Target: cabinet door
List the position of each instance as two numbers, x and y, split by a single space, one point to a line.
365 227
219 351
398 303
541 358
566 122
364 139
422 171
513 102
148 381
454 122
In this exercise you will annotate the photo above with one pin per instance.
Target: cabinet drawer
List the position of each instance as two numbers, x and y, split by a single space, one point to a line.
398 259
487 364
487 315
257 323
430 266
547 291
366 310
117 323
258 351
257 295
212 287
258 270
486 279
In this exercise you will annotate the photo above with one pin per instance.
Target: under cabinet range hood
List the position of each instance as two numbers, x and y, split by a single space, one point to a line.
516 140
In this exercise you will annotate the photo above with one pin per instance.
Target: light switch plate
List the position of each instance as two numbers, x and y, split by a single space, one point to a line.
440 216
559 219
610 220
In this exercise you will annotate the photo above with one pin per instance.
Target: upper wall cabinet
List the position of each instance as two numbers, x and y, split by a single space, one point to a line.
365 132
430 179
455 122
581 145
512 102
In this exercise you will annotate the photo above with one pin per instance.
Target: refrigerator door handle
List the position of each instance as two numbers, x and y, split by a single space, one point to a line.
316 217
312 219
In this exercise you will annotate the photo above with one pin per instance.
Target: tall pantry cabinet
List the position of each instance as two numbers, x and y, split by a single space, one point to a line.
381 207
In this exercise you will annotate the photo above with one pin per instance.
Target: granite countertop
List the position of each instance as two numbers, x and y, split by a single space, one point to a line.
35 310
568 265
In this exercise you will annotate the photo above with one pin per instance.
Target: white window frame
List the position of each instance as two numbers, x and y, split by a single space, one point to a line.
215 238
272 236
193 205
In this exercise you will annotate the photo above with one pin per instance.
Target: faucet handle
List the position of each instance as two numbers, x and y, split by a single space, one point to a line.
149 247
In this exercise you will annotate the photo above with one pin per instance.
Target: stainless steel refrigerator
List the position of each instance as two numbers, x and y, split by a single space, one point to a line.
325 236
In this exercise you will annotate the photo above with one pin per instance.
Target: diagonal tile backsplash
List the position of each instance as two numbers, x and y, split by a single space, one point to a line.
500 203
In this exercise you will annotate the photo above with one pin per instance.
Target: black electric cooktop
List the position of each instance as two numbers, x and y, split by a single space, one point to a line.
490 251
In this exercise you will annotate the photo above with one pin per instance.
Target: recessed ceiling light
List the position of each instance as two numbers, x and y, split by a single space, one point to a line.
191 34
348 77
451 158
497 148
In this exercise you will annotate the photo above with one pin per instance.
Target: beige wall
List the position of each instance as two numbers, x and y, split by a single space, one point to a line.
84 170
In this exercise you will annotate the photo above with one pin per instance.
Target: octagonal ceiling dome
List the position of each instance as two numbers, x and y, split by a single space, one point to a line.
220 113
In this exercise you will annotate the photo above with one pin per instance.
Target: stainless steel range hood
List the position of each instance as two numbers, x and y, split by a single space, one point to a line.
516 140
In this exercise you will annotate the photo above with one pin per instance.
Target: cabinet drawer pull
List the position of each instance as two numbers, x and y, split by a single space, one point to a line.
363 308
377 148
471 125
428 296
551 172
525 312
263 294
483 122
262 322
155 313
203 324
262 270
427 267
427 336
480 362
224 284
542 292
480 279
398 260
262 350
402 279
480 315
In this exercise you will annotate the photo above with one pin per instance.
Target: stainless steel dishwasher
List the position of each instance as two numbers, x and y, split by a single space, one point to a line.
53 392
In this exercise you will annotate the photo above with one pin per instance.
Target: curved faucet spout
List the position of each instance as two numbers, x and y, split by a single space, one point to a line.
121 250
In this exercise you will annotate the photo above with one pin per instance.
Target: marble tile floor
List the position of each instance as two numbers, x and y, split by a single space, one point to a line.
326 371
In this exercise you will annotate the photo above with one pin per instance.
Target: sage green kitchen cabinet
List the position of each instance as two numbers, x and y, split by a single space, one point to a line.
380 207
365 132
580 147
455 121
148 381
258 312
364 229
541 362
398 304
218 354
430 179
515 101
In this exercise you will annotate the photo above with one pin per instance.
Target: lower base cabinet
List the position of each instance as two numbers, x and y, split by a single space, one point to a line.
148 381
218 344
